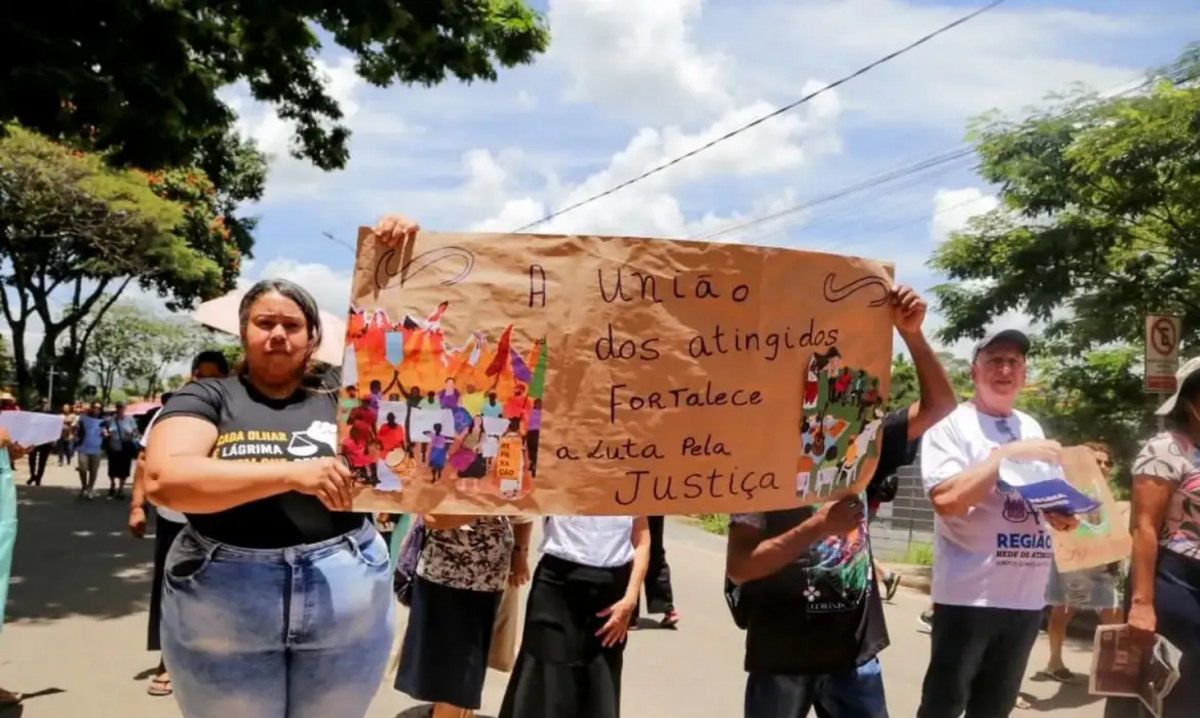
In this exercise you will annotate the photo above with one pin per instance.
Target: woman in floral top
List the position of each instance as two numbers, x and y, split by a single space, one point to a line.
466 563
1165 569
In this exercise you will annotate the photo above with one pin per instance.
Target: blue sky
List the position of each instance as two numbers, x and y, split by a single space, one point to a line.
629 83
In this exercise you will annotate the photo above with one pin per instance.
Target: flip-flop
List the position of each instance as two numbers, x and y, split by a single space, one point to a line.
1022 704
1062 675
8 699
159 687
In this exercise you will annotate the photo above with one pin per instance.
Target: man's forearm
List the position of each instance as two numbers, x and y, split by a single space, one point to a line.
771 555
137 499
960 493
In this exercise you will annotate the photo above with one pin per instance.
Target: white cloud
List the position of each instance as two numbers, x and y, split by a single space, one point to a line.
637 58
953 208
1007 58
650 207
329 286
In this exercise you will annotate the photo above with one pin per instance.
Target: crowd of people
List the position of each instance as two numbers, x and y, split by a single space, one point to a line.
272 599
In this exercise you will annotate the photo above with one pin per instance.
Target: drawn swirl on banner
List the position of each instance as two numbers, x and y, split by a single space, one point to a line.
389 265
835 294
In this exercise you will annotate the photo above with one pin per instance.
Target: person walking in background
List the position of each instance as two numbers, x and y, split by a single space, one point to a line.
801 581
89 441
987 602
121 443
1090 589
660 599
1164 575
9 452
206 365
277 599
66 443
39 455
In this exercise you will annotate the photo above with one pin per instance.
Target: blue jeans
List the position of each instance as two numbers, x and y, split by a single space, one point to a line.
847 694
301 632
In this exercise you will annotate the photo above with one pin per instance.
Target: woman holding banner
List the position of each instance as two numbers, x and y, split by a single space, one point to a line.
277 600
1164 574
585 591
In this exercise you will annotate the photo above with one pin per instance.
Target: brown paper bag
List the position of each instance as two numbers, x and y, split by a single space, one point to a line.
503 653
1102 536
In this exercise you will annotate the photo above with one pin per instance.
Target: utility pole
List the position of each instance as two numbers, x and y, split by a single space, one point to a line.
50 374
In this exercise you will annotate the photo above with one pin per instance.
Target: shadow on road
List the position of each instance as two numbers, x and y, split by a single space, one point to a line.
75 558
1067 696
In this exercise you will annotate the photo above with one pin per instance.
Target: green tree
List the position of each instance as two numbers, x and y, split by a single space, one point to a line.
904 388
141 77
168 343
6 363
121 346
1098 225
74 227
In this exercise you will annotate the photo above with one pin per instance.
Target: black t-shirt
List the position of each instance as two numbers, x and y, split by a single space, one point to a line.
823 612
254 427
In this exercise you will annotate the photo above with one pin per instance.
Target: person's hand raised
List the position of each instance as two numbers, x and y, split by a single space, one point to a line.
395 230
908 309
329 479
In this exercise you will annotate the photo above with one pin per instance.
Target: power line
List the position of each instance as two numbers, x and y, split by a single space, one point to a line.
786 108
945 158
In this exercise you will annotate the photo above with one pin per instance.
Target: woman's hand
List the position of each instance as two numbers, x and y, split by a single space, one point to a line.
616 628
1143 624
137 522
518 571
396 229
328 479
17 451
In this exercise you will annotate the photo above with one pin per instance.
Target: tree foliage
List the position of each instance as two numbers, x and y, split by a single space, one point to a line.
76 231
1098 226
141 77
134 348
906 389
1099 221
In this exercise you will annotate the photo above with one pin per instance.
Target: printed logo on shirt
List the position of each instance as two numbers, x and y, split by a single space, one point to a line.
1023 549
319 439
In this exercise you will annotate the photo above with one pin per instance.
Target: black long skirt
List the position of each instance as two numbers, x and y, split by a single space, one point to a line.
445 652
562 670
164 535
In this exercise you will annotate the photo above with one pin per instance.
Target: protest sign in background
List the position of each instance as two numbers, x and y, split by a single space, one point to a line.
1102 536
606 376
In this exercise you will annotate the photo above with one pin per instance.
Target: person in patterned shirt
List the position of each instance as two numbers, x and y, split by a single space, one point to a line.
1164 575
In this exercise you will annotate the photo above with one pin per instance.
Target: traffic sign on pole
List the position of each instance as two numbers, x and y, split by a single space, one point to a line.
1162 352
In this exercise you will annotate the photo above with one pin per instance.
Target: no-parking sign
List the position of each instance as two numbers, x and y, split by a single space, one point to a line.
1162 352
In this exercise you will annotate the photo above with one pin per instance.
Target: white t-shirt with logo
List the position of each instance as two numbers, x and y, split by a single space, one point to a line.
999 553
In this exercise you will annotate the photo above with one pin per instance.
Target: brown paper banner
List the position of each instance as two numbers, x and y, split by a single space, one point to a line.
548 374
1102 536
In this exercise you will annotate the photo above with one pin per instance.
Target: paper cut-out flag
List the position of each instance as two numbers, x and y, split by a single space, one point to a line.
520 369
394 347
350 367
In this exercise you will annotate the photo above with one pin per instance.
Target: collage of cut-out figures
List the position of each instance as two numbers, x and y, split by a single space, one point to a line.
415 410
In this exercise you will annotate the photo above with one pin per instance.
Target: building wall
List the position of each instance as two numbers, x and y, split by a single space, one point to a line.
905 522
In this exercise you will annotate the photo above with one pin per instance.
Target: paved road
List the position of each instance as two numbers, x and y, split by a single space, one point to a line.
77 621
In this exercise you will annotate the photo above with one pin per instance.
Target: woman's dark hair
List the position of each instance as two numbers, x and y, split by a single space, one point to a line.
313 377
211 356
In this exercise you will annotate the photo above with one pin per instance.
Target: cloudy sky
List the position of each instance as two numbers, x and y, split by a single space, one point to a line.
628 84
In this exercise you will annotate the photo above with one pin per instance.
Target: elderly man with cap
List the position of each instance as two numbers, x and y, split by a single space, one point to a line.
992 554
